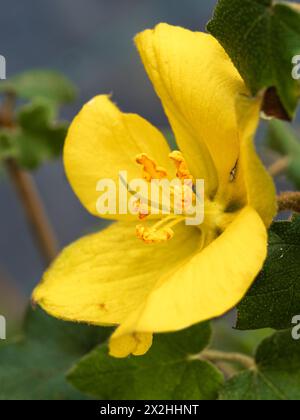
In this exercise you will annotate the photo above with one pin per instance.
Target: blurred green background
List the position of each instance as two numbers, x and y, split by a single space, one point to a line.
91 42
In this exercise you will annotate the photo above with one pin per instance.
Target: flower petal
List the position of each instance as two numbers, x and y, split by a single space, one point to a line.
102 278
198 85
103 141
208 285
136 343
261 191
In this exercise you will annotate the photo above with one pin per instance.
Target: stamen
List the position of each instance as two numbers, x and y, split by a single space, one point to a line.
151 236
151 169
181 166
142 208
183 197
160 232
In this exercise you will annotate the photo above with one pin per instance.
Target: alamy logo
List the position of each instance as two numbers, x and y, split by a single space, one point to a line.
175 197
296 68
2 67
296 329
2 328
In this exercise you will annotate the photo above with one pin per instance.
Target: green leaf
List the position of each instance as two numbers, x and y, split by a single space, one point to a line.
36 115
38 137
8 147
282 139
33 366
41 138
167 371
261 37
46 84
277 376
274 299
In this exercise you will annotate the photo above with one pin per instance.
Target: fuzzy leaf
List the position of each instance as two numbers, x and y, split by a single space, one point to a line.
262 37
165 372
33 366
36 138
274 299
277 376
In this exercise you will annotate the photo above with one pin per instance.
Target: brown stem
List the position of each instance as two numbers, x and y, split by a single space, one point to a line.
7 111
217 356
289 201
280 166
226 368
34 210
28 193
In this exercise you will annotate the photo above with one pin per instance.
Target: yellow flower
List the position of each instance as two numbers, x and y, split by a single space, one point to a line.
183 274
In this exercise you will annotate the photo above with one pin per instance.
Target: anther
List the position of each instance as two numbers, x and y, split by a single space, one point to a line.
181 165
151 169
153 236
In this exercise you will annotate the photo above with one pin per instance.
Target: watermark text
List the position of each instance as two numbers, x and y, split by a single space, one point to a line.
296 68
296 328
2 328
159 197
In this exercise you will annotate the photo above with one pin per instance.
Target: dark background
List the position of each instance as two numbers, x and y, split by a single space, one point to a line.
90 41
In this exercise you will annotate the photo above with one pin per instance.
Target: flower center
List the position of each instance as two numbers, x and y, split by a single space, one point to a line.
180 193
186 202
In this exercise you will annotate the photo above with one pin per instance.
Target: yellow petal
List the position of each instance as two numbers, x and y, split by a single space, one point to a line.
261 191
198 86
136 343
102 278
103 141
208 285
